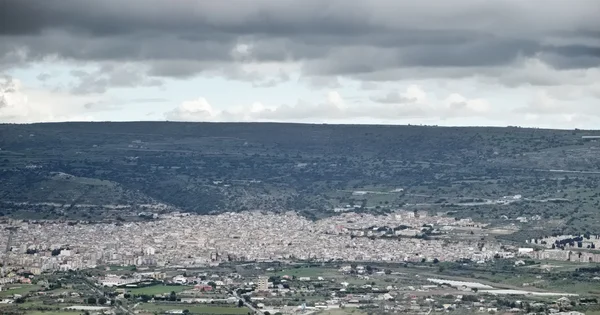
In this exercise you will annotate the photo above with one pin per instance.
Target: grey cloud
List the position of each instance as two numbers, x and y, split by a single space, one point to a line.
110 76
148 100
369 85
378 39
7 86
43 76
270 82
393 97
322 82
102 106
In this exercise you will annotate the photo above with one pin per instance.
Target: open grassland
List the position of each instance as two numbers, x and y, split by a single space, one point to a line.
159 289
19 289
195 309
342 312
52 312
306 272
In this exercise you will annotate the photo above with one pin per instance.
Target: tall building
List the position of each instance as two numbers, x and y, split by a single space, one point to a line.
263 283
149 251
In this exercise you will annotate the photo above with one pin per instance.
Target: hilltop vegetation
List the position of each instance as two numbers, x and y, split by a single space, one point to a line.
77 169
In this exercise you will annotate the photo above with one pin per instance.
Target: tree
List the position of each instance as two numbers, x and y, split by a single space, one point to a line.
102 301
172 296
240 303
435 260
145 298
91 300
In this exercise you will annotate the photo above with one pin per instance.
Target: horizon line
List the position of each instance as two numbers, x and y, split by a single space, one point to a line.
292 123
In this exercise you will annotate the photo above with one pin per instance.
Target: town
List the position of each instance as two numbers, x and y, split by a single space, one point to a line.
410 262
190 240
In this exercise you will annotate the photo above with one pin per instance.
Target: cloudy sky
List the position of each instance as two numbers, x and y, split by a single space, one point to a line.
457 62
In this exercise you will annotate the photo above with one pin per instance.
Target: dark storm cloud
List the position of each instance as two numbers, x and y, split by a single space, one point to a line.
186 37
238 17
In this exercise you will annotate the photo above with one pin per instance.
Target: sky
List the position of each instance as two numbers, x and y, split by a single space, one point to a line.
462 62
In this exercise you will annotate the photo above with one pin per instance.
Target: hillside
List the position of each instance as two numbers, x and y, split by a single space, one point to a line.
314 169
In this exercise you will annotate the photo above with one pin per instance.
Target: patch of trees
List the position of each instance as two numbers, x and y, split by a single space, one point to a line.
595 269
569 241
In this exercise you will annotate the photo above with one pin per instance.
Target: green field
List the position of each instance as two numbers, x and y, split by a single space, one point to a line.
342 312
159 289
19 289
52 312
306 272
194 308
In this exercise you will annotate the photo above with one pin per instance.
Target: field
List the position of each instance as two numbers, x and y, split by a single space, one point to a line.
194 308
305 272
342 312
19 289
24 307
159 289
52 312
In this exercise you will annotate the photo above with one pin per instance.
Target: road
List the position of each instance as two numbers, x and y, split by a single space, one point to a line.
100 292
248 305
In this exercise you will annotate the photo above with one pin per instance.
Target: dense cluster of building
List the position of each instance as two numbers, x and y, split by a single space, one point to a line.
562 254
189 240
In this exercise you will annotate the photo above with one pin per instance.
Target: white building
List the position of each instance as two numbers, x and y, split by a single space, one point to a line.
180 279
114 280
149 251
262 284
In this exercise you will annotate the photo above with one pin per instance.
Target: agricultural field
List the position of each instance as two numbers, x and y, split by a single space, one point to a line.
304 272
193 308
52 312
159 289
20 289
342 312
